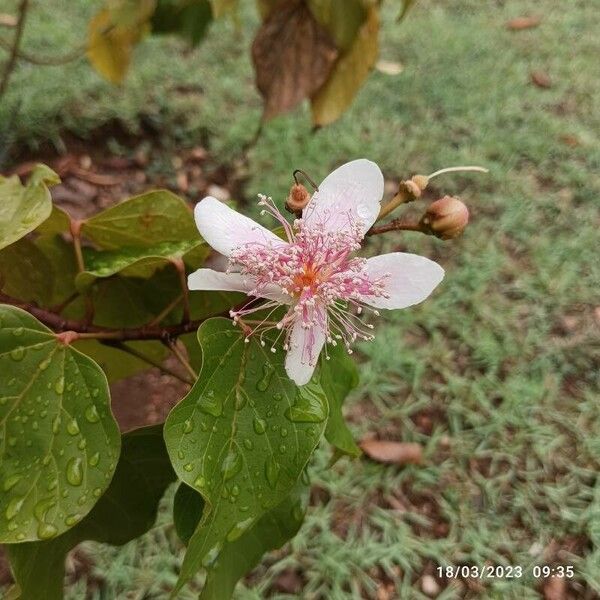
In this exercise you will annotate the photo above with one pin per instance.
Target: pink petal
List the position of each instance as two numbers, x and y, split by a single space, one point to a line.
353 191
305 347
225 229
209 280
412 279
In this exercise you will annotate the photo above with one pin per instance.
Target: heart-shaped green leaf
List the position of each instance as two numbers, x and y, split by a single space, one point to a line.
60 442
136 262
241 437
24 207
126 511
339 376
271 531
144 220
26 273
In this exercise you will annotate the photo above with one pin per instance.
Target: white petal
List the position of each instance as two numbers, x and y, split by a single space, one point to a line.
304 350
209 280
412 279
226 229
354 189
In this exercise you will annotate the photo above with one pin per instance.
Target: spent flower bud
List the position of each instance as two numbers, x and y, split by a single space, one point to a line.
446 218
297 199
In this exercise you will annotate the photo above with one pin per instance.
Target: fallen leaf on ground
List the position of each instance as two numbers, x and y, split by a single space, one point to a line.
293 56
540 79
8 20
430 586
555 588
389 67
520 23
398 453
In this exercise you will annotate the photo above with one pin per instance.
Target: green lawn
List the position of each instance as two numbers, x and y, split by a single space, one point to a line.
498 375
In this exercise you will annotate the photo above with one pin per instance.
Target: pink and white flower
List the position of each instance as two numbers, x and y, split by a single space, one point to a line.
315 272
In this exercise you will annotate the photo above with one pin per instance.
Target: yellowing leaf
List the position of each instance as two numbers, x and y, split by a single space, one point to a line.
349 73
342 18
222 7
130 13
110 46
23 208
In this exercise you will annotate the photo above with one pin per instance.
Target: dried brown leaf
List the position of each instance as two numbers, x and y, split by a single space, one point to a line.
293 56
520 23
399 453
540 79
555 588
8 20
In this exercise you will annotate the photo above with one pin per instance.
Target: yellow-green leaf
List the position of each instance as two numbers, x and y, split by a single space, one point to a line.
110 45
348 74
144 220
24 207
342 18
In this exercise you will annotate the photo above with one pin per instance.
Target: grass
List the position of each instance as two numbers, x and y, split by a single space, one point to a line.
498 374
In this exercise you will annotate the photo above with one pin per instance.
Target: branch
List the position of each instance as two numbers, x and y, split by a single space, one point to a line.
12 58
178 263
172 345
121 346
399 224
51 61
86 331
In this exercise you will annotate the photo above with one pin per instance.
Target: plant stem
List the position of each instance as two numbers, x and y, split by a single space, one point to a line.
178 263
402 197
87 331
14 51
147 359
166 310
399 224
172 345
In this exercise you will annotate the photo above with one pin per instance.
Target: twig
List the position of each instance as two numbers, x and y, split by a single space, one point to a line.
75 227
166 310
12 58
172 345
399 224
147 359
403 196
87 331
52 61
178 263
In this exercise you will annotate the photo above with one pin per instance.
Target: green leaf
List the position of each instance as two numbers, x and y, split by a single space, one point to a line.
25 272
60 441
126 511
63 267
24 207
130 301
339 376
348 74
144 220
188 505
188 18
342 18
241 437
118 364
58 222
135 262
271 531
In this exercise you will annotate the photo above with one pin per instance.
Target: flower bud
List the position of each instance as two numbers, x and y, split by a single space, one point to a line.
446 218
416 185
297 199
